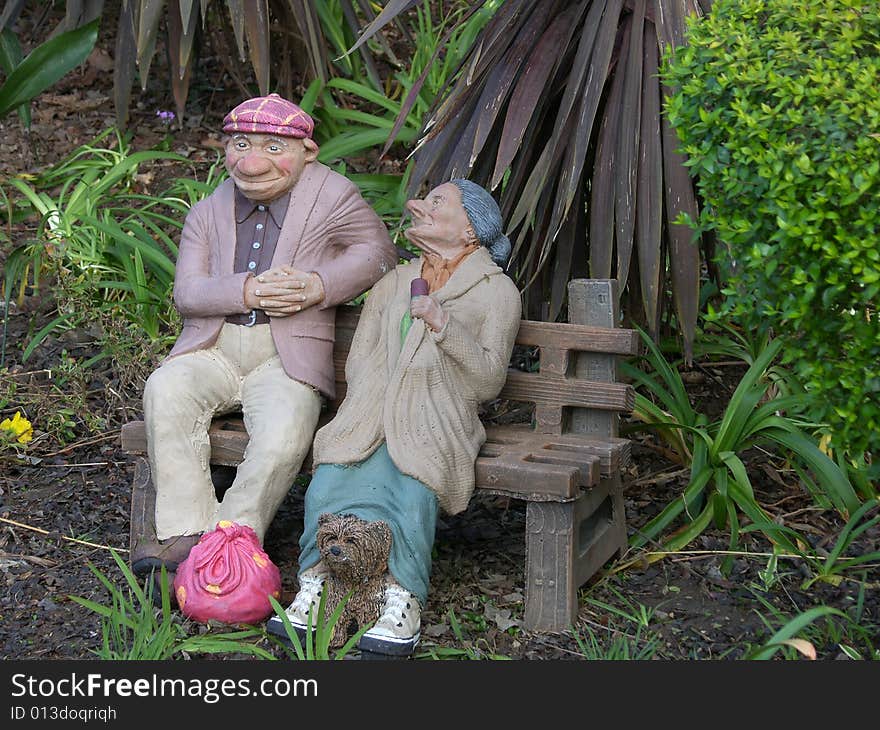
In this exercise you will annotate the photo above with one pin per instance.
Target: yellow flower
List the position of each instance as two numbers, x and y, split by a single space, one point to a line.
19 427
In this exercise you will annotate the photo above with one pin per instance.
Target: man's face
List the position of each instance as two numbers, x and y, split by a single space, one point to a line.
266 166
439 222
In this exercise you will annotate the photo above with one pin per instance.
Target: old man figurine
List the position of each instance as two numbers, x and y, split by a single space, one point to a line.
405 439
263 262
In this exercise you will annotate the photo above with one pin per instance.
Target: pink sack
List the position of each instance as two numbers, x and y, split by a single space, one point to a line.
227 577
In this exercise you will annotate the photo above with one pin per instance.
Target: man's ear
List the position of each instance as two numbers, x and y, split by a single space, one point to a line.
311 149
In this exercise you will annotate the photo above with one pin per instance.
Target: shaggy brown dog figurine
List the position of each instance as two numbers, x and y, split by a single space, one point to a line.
356 554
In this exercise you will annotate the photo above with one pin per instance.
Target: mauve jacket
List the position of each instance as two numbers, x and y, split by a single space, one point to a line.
328 229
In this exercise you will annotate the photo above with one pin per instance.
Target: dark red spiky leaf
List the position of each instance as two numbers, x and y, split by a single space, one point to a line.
531 86
256 25
649 191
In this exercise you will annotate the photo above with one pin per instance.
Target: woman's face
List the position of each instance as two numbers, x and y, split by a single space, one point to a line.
439 222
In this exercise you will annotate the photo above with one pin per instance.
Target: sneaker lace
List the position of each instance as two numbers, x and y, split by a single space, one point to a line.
397 602
310 585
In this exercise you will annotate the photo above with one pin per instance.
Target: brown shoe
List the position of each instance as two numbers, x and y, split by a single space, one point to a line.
153 585
149 555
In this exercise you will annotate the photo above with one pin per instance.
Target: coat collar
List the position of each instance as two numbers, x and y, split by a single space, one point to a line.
468 274
303 196
245 207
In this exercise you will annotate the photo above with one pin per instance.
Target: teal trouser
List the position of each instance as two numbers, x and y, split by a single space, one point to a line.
375 490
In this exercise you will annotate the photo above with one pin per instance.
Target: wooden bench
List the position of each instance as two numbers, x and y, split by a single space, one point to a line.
566 464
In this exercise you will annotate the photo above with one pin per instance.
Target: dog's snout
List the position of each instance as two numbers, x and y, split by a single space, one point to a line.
335 550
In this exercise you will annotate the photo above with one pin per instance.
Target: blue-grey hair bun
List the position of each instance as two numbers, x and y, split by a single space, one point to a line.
485 218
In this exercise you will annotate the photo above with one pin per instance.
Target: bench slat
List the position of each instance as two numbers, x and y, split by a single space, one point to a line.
229 431
547 389
554 391
532 333
514 461
613 453
578 337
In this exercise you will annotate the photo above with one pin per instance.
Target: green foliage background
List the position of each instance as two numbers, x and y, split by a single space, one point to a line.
778 112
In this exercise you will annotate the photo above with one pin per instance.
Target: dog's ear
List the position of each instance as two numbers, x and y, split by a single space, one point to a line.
324 518
381 532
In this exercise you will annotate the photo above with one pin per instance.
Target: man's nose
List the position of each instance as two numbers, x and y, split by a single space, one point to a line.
253 163
414 206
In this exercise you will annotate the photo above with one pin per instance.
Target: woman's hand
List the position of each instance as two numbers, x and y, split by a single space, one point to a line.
430 311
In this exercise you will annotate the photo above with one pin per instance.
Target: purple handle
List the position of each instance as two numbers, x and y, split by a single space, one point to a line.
418 288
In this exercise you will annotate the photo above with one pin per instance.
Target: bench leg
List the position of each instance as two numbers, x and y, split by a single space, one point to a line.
566 543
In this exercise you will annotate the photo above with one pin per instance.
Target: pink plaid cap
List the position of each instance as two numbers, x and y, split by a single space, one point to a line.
269 115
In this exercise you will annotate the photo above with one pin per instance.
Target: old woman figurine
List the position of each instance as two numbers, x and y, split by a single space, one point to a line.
405 439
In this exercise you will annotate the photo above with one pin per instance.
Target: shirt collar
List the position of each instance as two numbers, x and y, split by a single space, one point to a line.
438 270
244 207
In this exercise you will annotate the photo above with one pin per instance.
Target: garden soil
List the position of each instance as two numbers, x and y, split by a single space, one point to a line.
65 504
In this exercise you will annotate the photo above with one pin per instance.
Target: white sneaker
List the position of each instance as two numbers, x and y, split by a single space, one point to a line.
397 630
311 583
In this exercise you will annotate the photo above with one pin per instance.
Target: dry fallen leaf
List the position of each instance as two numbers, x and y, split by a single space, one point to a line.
803 646
144 179
500 617
212 143
100 60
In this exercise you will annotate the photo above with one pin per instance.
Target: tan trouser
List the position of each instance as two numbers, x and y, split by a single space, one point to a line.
242 370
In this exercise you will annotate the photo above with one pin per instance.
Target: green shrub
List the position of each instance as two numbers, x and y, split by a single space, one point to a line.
777 108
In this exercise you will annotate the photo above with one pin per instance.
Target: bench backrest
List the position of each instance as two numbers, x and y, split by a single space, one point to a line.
555 387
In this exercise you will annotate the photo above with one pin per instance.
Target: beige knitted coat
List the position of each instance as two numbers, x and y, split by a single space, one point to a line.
423 399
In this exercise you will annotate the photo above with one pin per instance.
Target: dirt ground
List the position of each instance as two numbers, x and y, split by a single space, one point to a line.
66 504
